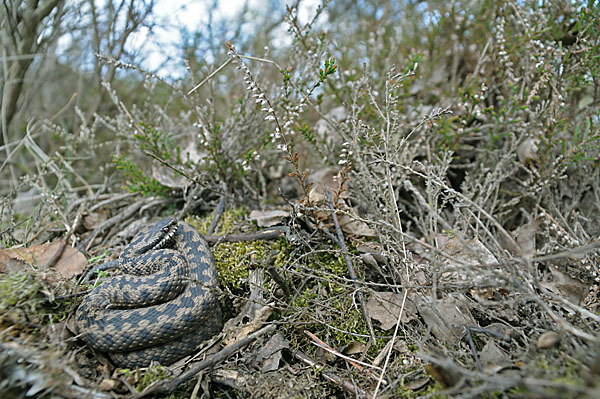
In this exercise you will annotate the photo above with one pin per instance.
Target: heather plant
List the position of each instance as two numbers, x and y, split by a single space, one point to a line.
463 137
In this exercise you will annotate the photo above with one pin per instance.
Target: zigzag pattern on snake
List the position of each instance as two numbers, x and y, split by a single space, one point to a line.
162 307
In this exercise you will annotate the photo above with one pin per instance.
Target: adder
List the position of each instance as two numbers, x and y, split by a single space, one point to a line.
162 306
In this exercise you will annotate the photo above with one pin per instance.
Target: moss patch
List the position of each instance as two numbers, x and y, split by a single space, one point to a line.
234 259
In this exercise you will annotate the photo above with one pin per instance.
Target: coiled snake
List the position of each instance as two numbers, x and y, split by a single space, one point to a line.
164 304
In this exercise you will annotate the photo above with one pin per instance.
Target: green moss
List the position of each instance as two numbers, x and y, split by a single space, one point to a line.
140 380
19 289
23 306
227 222
334 299
234 259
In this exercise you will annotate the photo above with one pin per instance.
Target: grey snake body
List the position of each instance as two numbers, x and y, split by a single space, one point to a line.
164 304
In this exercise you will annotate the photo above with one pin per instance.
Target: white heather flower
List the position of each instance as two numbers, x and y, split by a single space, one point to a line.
281 147
270 118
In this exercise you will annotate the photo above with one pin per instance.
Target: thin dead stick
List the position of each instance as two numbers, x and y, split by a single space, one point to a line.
173 168
217 215
351 272
170 386
356 363
123 215
338 381
473 350
206 79
267 234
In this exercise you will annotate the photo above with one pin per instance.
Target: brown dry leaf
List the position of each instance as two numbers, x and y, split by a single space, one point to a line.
402 347
385 308
351 225
94 220
525 237
270 354
269 218
107 384
368 260
493 359
527 150
417 384
9 264
71 263
323 180
548 339
237 333
326 180
353 348
447 317
446 376
374 250
566 286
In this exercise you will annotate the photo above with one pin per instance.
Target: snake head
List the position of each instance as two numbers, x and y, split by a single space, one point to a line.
160 235
168 228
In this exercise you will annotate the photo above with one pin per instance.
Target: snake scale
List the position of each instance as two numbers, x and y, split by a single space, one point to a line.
162 306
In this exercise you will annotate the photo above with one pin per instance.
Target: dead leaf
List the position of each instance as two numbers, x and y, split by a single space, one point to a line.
417 384
94 220
353 348
374 250
269 218
401 346
107 384
351 225
447 317
548 339
8 264
260 317
270 354
71 263
493 359
525 237
566 286
385 308
527 150
502 329
325 180
368 260
446 376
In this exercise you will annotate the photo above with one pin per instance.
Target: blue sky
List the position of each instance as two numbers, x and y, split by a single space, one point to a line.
194 15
